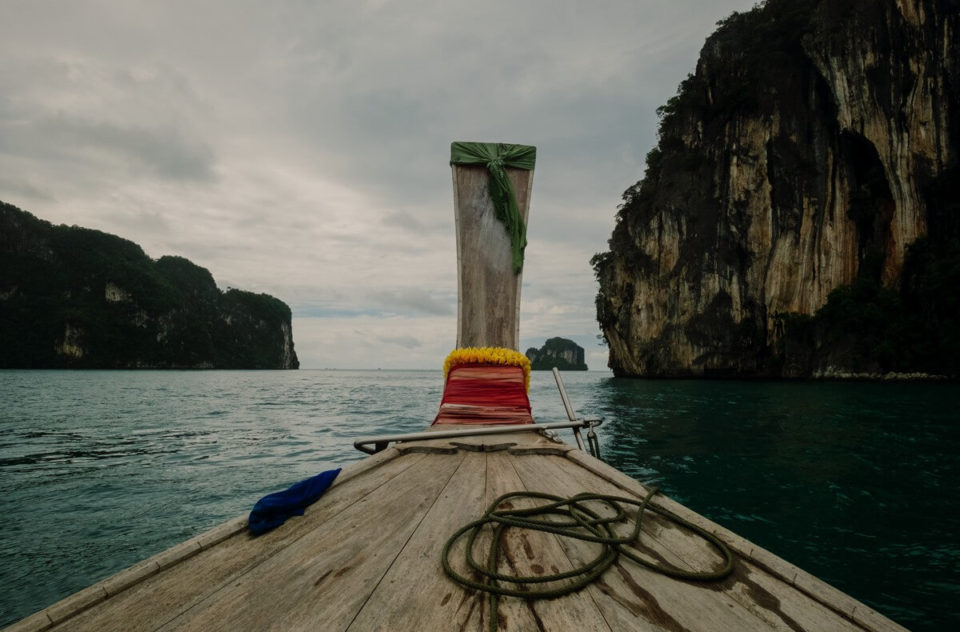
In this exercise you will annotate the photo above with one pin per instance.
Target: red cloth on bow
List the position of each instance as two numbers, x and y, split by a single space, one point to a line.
484 394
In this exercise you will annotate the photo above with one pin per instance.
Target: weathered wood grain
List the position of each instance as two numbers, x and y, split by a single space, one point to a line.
415 593
749 592
812 592
527 553
147 605
367 557
628 591
488 307
322 581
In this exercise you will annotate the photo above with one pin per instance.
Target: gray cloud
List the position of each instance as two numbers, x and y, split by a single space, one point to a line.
165 152
405 221
407 342
301 148
413 300
22 187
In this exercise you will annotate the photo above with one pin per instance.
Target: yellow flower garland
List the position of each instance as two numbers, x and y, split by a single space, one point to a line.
488 355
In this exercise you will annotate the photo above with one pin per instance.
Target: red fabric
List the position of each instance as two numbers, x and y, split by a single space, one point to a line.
484 394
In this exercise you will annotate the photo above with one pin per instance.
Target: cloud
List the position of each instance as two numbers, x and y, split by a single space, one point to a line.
23 188
165 152
414 300
387 342
301 149
407 342
403 220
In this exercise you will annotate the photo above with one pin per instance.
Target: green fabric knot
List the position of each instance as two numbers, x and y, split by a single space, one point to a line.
496 157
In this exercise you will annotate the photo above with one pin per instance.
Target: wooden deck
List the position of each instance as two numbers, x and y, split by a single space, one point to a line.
367 557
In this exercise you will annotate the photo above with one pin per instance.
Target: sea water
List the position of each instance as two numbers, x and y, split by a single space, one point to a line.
856 483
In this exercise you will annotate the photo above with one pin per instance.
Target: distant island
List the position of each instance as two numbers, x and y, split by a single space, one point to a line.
562 353
72 297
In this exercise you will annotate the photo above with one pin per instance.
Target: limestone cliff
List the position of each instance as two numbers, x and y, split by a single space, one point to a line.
797 173
72 297
561 353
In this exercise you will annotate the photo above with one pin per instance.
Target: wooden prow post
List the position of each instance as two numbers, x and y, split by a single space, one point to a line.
488 305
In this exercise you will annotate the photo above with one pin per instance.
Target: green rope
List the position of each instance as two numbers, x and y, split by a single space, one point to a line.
568 517
496 157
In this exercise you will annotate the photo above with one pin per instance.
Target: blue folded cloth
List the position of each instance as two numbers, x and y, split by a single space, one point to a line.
272 510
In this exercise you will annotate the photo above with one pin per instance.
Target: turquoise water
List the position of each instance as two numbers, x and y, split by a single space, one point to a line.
856 483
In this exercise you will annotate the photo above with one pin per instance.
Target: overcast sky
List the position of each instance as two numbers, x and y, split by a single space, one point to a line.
301 148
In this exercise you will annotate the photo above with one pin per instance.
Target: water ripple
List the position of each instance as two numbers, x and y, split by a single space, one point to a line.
853 482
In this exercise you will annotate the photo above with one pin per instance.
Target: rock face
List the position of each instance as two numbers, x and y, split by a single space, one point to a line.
77 298
808 156
562 353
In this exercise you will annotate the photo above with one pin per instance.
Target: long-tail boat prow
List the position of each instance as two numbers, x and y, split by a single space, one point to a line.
483 521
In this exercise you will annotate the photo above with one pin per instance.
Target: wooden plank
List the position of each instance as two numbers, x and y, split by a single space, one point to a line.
324 569
323 579
37 622
528 553
817 589
765 596
69 607
628 590
415 594
512 442
513 614
488 304
188 581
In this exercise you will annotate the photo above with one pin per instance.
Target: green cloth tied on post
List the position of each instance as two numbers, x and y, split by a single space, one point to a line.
497 157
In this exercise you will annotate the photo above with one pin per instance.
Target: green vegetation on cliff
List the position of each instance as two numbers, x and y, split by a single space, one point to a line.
72 297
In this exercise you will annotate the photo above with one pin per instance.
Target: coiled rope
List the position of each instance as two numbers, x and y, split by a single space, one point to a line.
572 518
